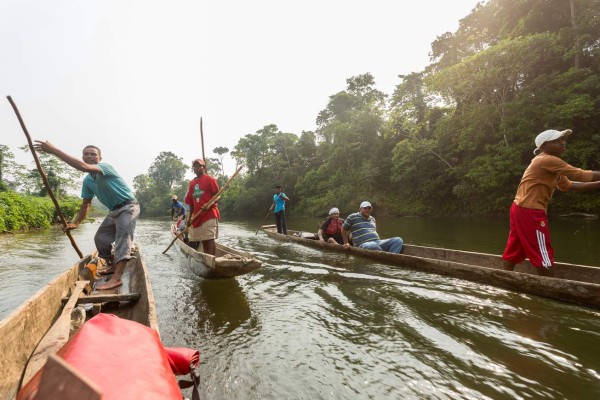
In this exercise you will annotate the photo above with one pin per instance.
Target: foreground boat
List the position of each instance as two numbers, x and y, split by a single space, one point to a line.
227 263
36 329
579 284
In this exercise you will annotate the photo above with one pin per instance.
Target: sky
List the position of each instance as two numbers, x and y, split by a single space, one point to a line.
135 77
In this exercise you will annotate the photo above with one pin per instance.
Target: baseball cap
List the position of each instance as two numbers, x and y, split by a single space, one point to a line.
174 197
548 136
365 204
199 161
334 210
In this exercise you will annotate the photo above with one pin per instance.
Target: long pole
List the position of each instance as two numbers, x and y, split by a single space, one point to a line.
44 178
202 140
263 222
207 205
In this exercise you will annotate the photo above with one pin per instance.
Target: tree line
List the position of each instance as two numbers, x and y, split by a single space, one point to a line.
453 138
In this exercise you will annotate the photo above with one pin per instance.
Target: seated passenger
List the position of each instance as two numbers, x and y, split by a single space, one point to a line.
364 232
330 230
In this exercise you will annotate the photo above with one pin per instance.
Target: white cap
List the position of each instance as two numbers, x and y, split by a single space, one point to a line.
334 210
365 204
548 136
174 197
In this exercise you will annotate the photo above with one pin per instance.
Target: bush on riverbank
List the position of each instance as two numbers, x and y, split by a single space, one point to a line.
21 212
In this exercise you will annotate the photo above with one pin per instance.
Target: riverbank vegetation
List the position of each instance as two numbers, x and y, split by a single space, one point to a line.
23 212
453 138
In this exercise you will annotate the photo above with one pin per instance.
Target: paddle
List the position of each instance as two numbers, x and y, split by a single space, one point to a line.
263 222
44 178
208 204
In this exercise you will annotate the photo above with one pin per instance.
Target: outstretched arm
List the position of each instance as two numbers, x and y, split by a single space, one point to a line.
76 163
581 186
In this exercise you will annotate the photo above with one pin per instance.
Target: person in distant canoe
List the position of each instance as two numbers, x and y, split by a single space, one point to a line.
105 183
278 208
364 232
529 235
177 208
205 228
330 230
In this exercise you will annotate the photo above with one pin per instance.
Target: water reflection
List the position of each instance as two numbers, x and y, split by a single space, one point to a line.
316 325
221 305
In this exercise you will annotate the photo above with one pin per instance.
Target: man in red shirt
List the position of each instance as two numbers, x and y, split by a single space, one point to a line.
529 236
205 228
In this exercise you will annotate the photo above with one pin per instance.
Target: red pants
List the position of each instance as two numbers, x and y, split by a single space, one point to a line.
529 237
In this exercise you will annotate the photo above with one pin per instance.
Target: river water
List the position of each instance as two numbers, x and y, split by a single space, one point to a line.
315 325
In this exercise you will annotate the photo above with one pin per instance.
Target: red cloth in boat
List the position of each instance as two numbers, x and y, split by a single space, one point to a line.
124 358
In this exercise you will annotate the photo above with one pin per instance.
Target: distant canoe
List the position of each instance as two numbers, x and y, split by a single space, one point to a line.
579 284
24 329
227 263
579 215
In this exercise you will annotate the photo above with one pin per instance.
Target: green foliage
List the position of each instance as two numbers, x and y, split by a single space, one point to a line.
19 212
454 138
167 170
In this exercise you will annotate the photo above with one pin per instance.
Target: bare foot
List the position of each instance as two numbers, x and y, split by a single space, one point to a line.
111 284
106 272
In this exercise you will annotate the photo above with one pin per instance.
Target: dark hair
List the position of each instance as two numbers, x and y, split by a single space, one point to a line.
277 187
94 147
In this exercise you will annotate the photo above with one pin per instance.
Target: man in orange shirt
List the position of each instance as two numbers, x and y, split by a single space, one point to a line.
529 235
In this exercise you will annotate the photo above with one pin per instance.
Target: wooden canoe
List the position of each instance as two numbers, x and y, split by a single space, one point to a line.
33 323
227 263
579 284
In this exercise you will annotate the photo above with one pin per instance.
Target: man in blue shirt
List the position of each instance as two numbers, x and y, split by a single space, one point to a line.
177 208
364 232
107 185
278 208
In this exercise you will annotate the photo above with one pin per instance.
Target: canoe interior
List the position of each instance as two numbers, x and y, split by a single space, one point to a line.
226 263
24 328
579 284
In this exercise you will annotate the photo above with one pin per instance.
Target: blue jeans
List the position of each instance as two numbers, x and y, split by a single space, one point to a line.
391 245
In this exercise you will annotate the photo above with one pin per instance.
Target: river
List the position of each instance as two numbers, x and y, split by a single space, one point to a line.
315 325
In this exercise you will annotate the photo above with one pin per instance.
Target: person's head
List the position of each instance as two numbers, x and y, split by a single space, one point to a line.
174 198
277 189
334 213
552 142
91 155
198 166
365 208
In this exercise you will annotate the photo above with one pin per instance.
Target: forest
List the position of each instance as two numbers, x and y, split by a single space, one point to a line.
453 138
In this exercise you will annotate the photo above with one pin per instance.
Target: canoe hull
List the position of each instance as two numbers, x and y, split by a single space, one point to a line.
578 284
24 328
227 263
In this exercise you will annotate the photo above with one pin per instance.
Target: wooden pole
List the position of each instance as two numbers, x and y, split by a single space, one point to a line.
202 141
44 178
263 222
208 204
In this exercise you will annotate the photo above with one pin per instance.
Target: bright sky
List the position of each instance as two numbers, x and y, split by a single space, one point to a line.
134 77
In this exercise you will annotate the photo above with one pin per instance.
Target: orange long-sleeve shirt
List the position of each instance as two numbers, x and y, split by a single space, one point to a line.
544 174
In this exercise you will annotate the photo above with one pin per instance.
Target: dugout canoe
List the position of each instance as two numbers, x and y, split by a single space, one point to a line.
37 324
573 283
226 263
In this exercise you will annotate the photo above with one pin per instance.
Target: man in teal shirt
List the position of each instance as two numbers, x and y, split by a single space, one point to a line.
278 208
107 185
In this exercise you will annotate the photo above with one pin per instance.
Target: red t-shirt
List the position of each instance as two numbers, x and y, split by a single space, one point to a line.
200 191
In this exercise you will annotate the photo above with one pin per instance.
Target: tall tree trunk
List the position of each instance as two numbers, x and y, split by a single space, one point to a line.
575 34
